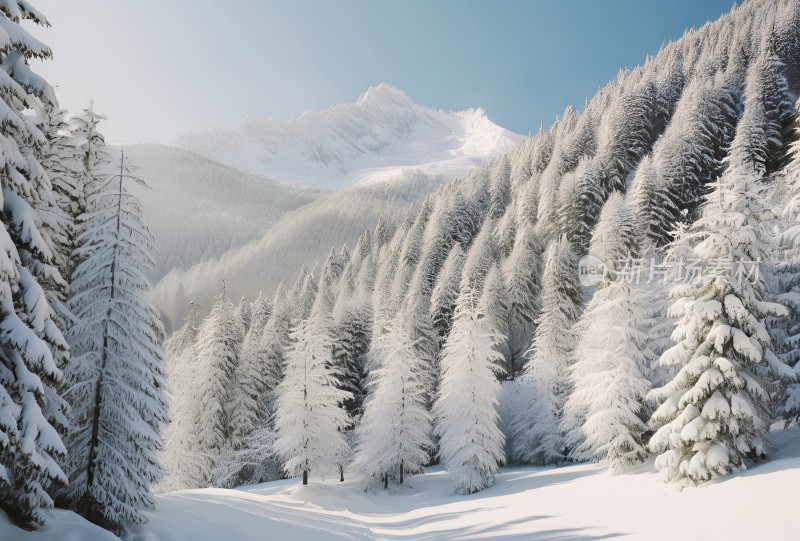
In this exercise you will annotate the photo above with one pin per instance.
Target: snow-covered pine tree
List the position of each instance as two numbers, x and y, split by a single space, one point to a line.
445 293
604 413
715 413
32 349
115 382
247 403
394 435
309 414
92 155
786 286
244 313
500 187
668 186
581 202
471 445
219 340
185 465
275 339
352 334
59 158
536 434
522 274
255 460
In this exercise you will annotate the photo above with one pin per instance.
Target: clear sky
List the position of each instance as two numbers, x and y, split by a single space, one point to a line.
160 68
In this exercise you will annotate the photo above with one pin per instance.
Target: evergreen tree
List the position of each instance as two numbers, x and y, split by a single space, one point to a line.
115 382
537 437
394 435
309 413
32 348
522 274
786 287
58 158
219 340
445 293
93 158
471 444
247 404
276 339
716 411
603 416
186 465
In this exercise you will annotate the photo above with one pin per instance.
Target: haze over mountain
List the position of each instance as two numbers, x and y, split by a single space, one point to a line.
251 208
375 138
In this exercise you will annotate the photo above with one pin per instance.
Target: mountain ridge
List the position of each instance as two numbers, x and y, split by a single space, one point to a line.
379 136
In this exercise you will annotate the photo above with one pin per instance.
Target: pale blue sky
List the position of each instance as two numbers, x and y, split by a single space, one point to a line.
161 68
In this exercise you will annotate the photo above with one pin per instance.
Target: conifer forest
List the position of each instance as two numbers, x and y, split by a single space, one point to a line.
381 320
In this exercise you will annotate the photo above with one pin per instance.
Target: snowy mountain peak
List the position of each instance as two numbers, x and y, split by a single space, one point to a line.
386 94
378 137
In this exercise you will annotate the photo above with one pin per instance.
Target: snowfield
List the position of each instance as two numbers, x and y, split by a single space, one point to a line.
575 502
571 503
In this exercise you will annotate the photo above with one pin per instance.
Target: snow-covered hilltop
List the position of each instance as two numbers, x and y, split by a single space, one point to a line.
375 138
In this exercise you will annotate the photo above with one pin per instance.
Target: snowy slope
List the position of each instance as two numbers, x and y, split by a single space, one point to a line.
577 502
198 209
302 236
376 138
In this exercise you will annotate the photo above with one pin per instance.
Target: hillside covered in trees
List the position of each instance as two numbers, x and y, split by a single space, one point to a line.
464 332
617 294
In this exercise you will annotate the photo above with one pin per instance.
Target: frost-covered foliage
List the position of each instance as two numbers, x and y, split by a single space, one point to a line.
387 331
537 436
786 286
309 412
250 377
185 464
715 413
522 277
219 341
394 435
604 414
471 444
32 348
115 381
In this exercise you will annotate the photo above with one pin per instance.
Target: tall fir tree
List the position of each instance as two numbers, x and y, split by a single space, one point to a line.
604 415
715 413
32 348
536 432
115 382
522 276
250 384
466 418
219 340
309 413
394 434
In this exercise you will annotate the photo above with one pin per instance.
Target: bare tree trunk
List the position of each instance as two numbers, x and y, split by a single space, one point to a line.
401 472
385 480
341 473
305 477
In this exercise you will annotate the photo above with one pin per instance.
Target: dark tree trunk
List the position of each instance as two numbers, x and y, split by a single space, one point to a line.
385 481
341 473
401 472
92 512
305 477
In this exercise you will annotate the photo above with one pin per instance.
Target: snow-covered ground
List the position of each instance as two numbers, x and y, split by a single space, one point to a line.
571 503
61 526
576 502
